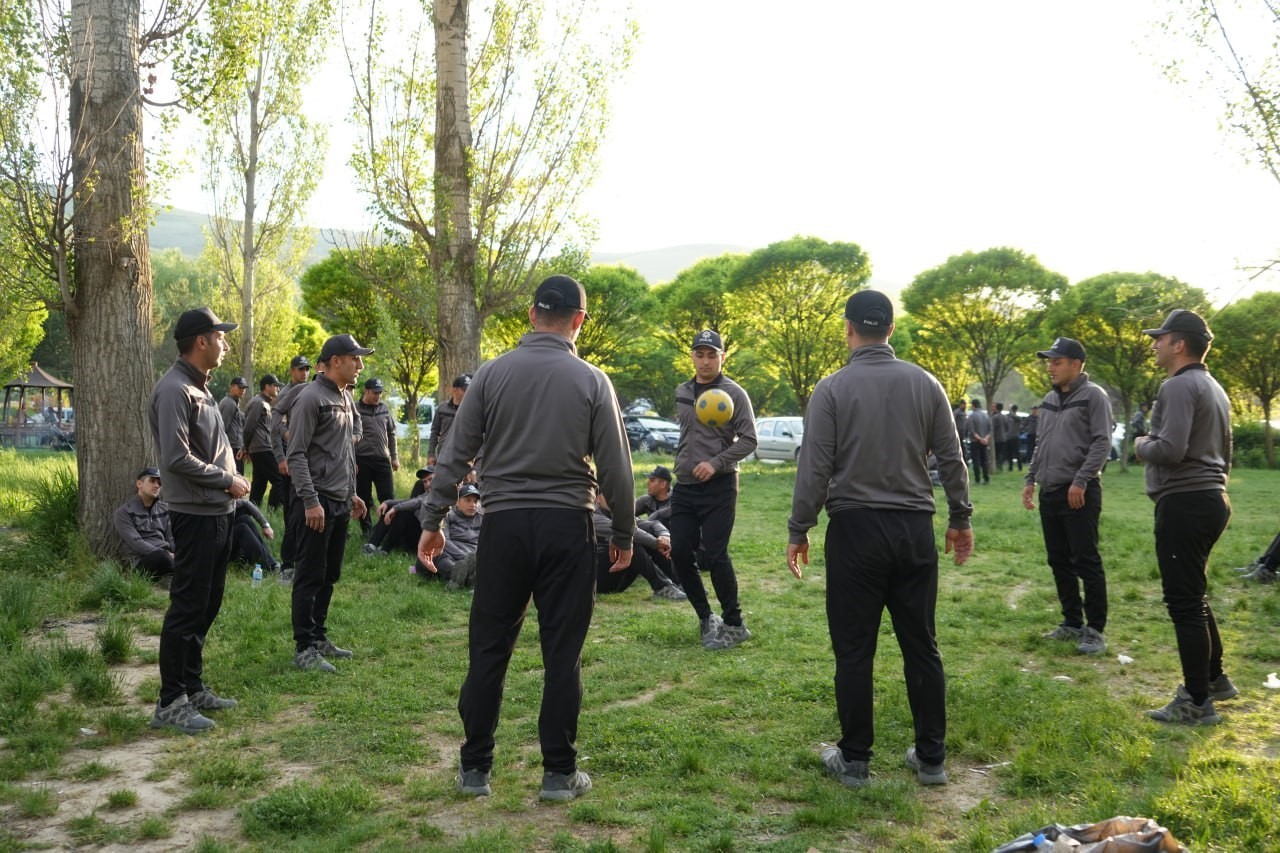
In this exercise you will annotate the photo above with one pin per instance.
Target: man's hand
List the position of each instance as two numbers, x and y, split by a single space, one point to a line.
241 453
283 468
358 508
960 541
797 554
1075 497
1137 447
664 546
621 559
315 518
703 471
239 486
268 532
430 544
1029 496
395 465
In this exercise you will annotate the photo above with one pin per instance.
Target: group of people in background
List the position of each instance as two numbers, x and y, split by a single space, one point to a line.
560 521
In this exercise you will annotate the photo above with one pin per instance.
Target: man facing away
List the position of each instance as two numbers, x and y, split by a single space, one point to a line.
979 425
1075 438
257 441
197 465
871 472
233 419
704 503
1187 452
322 467
445 412
142 523
535 418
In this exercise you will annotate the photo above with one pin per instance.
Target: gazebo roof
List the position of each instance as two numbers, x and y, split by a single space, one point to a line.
38 378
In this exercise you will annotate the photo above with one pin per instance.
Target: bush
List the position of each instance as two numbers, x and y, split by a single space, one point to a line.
121 588
55 506
1249 445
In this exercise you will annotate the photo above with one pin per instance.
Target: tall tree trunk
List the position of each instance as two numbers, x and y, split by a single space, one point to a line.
109 314
248 253
453 251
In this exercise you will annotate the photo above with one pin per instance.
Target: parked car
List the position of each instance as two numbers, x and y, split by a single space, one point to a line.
651 435
426 411
779 438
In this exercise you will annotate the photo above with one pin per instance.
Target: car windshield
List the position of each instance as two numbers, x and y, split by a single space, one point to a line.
658 424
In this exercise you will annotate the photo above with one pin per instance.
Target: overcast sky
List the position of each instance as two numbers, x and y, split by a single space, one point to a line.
919 131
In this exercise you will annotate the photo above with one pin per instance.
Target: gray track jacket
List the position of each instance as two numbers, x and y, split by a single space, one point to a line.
321 455
195 459
1189 446
1074 438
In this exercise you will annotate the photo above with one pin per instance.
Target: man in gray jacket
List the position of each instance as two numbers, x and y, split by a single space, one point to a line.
869 430
1187 452
200 476
704 503
322 467
535 419
142 523
257 442
377 457
1075 438
233 419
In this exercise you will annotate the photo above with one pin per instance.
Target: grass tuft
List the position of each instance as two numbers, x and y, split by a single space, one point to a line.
304 808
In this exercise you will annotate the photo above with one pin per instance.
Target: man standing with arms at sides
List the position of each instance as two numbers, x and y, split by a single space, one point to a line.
376 453
257 440
999 434
323 469
536 418
1075 438
233 419
871 472
979 425
200 476
445 414
1012 452
1188 455
299 371
705 500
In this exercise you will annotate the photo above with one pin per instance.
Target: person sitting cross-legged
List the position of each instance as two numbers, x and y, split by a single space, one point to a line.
457 563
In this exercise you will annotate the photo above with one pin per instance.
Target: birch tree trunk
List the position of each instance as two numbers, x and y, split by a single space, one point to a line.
453 253
109 313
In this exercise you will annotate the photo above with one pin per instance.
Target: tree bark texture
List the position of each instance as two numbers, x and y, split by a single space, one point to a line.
109 313
453 253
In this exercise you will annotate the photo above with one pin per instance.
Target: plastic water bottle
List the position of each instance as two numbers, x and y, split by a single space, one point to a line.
257 574
1041 843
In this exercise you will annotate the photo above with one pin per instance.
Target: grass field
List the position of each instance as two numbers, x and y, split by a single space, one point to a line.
688 749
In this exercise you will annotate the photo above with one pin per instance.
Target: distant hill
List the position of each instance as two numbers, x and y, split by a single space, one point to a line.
184 230
659 265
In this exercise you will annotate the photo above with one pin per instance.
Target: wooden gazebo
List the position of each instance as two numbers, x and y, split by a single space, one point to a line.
35 406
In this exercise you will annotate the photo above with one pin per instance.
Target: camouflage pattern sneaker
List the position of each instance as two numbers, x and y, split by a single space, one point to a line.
852 774
179 716
670 592
734 634
1091 642
311 660
926 774
562 787
1183 710
1065 633
328 649
709 632
207 700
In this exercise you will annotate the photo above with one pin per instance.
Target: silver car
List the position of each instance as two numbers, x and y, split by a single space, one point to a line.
779 438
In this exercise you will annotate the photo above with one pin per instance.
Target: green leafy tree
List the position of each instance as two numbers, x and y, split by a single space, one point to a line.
262 156
789 300
620 304
517 121
695 300
948 364
1107 313
1246 350
986 305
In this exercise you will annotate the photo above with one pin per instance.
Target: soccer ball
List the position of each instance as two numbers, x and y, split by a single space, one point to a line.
714 408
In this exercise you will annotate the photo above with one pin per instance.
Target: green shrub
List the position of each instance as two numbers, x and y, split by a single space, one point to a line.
19 609
113 586
115 641
55 506
304 808
1248 445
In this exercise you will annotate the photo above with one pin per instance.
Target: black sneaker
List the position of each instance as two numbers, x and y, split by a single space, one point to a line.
562 787
1221 688
311 660
328 649
852 774
1183 710
474 783
926 774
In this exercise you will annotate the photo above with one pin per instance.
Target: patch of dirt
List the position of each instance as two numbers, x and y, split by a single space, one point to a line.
1013 596
641 699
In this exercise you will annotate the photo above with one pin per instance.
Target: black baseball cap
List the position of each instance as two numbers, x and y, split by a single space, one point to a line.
560 292
149 472
241 381
373 385
199 321
661 472
268 379
1181 320
1064 348
463 381
300 361
468 489
342 345
869 309
422 472
708 338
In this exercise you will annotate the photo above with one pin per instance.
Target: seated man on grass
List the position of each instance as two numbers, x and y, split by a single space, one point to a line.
651 539
143 525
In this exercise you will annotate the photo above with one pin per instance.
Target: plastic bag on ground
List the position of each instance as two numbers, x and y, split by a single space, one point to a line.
1117 835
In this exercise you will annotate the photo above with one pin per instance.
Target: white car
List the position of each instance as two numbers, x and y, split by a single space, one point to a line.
779 438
